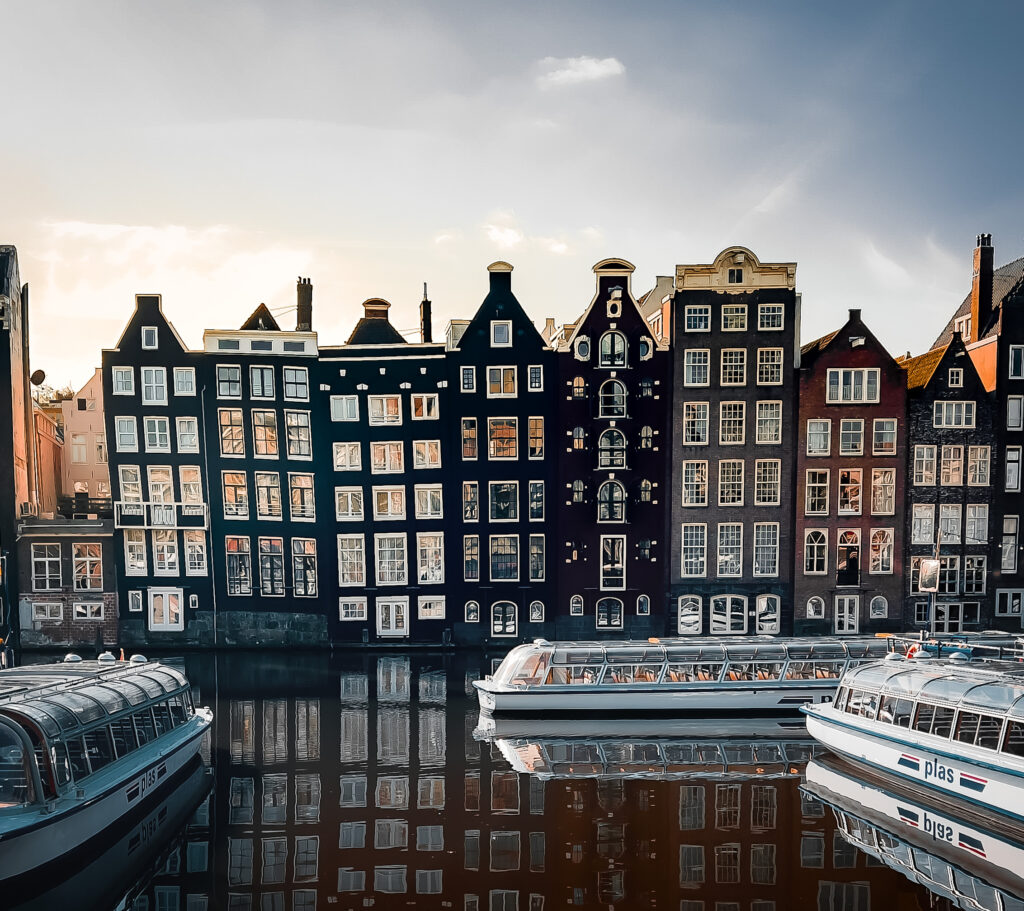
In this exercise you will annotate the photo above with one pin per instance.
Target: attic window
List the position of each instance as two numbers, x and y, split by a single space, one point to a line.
261 345
735 276
963 326
501 333
149 337
294 346
227 344
956 376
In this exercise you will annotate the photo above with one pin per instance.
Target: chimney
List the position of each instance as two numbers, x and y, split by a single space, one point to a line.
426 333
304 305
501 276
549 329
981 287
854 315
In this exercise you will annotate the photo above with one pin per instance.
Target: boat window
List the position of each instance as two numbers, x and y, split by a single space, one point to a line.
144 726
862 703
996 697
708 754
177 707
934 719
84 708
799 752
64 716
579 656
841 695
1013 742
739 671
738 753
529 668
15 770
769 752
981 730
910 680
152 688
111 700
814 670
768 670
678 753
124 735
99 748
134 693
76 754
633 673
894 710
947 689
162 714
705 672
582 674
61 763
168 679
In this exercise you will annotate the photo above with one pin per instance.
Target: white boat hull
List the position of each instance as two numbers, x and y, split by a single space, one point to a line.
35 838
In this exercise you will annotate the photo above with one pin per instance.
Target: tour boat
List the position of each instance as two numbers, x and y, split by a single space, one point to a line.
83 744
750 674
950 724
972 860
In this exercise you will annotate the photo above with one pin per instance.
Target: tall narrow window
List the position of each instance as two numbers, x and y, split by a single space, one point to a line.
272 566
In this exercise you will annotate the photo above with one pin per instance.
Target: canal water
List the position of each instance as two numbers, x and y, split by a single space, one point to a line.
360 780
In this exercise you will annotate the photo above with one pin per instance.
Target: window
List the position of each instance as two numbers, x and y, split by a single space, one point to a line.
766 549
646 437
430 559
949 522
697 319
272 566
730 549
537 563
348 502
165 553
846 386
344 408
79 449
351 560
769 422
300 496
609 613
47 612
296 384
347 457
728 615
734 367
850 481
536 501
502 438
924 465
974 575
577 491
695 483
881 550
238 565
123 380
578 438
1012 470
1014 412
646 384
1016 362
504 501
503 619
611 449
734 317
158 434
501 382
612 350
851 437
769 366
424 407
428 501
468 379
46 574
472 612
689 622
268 495
815 553
695 423
978 461
612 400
391 559
732 423
149 337
232 441
815 608
696 363
229 382
536 438
883 439
264 434
816 492
576 606
501 333
579 388
883 491
298 434
819 437
611 502
952 466
188 434
730 482
770 317
767 482
953 414
949 575
847 614
471 558
504 558
426 454
694 550
977 523
384 409
922 530
470 501
154 385
768 615
195 553
613 561
136 563
535 378
388 503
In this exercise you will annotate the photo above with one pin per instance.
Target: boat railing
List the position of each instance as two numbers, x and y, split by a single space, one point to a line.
103 676
945 645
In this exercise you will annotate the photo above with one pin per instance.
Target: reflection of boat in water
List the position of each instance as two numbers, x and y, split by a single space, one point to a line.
81 746
121 859
749 674
705 748
975 863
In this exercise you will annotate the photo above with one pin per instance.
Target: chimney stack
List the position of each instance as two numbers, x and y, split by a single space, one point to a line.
426 332
981 287
304 305
854 314
500 276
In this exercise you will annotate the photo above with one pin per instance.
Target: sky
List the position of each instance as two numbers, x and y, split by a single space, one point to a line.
213 152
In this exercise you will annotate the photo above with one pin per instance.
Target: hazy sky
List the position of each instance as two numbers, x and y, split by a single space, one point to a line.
212 152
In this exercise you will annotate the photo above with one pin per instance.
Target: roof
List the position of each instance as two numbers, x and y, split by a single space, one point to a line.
375 331
653 300
261 318
819 344
920 369
1004 279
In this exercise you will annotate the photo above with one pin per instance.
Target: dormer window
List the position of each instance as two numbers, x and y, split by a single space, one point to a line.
962 324
501 333
735 276
149 337
956 376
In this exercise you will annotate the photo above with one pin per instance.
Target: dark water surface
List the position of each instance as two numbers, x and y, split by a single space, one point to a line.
354 780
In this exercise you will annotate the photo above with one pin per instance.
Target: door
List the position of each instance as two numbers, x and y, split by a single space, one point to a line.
503 618
847 619
165 614
392 616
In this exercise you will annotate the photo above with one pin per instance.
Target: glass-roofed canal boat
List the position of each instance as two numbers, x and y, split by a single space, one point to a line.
82 744
759 674
952 724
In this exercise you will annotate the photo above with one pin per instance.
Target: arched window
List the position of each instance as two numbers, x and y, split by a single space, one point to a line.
881 550
689 623
611 502
815 608
769 610
609 613
612 350
611 449
536 611
579 388
645 491
646 438
848 558
576 606
612 400
815 553
577 491
879 608
728 615
503 618
472 612
578 437
643 605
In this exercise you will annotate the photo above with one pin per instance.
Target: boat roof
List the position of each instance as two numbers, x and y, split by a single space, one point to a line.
983 685
62 698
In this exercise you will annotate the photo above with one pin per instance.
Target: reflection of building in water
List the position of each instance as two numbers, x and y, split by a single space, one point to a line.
353 781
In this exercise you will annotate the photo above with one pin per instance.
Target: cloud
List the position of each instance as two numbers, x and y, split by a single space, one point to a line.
503 237
560 71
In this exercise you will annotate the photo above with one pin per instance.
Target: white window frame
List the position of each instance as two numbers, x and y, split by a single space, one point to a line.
742 420
849 426
166 626
742 362
428 491
404 574
399 623
146 344
126 447
157 419
703 545
349 539
864 374
827 422
763 311
875 448
428 404
700 313
189 372
304 371
182 447
349 495
467 373
378 413
122 371
348 448
501 376
758 423
734 313
389 491
421 450
495 325
351 608
345 408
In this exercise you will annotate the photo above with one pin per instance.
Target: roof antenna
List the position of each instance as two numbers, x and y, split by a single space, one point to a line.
425 291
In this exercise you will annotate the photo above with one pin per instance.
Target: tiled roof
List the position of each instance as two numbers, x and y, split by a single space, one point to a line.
920 369
819 344
1003 280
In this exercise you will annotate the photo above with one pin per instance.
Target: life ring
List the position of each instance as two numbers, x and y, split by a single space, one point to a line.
913 650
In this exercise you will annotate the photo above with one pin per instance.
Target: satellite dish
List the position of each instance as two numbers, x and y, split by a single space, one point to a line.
37 378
